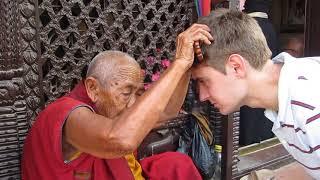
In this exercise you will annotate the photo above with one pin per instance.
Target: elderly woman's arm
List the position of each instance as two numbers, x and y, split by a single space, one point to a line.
177 99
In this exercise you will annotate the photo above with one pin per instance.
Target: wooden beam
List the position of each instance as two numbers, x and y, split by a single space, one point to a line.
227 147
312 28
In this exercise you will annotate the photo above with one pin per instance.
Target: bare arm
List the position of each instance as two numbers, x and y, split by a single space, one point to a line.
177 99
110 138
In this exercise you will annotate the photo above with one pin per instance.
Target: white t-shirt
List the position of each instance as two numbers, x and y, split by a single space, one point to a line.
297 122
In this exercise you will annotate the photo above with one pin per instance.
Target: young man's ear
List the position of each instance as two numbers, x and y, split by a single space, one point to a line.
92 88
236 65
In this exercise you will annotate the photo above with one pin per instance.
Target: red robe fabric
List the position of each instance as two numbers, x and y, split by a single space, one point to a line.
43 159
42 151
169 165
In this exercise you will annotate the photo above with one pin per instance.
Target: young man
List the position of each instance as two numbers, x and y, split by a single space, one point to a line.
252 131
237 70
92 132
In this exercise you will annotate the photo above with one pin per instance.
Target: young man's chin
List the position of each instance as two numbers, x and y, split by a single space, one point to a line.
225 111
221 110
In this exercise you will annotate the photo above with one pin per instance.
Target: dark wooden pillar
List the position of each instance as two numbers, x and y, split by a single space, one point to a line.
227 124
312 28
19 78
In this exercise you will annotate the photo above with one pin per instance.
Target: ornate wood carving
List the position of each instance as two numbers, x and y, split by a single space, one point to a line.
19 88
30 51
73 32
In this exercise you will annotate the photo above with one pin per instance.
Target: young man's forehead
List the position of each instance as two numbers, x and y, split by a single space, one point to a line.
199 70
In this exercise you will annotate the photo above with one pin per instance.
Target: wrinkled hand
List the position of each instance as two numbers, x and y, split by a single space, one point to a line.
186 39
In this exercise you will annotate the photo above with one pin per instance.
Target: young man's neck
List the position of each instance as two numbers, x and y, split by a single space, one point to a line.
263 87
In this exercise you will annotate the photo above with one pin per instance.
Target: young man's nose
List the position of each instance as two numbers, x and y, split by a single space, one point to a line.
203 94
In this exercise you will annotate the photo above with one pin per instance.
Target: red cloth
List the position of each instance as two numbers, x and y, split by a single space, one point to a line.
42 153
206 7
169 166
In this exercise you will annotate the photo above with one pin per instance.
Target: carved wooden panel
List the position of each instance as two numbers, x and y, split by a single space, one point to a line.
30 51
235 142
19 81
73 32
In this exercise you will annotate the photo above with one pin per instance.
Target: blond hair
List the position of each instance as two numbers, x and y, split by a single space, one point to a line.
235 32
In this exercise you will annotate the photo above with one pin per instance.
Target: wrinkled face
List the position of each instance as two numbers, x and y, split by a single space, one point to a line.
221 90
120 93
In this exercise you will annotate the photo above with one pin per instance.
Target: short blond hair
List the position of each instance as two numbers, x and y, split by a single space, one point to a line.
235 32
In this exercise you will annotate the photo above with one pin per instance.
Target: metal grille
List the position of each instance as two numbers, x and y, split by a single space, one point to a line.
73 32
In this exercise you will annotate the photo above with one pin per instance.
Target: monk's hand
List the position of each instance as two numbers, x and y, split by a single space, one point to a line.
185 41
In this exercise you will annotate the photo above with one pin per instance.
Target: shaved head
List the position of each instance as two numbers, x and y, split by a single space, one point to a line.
112 65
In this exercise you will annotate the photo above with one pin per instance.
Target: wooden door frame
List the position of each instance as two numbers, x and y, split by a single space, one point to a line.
312 28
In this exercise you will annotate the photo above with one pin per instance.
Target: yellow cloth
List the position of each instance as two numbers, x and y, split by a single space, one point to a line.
135 167
205 130
74 156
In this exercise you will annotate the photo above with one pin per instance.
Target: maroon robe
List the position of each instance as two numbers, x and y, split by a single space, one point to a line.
43 159
42 151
